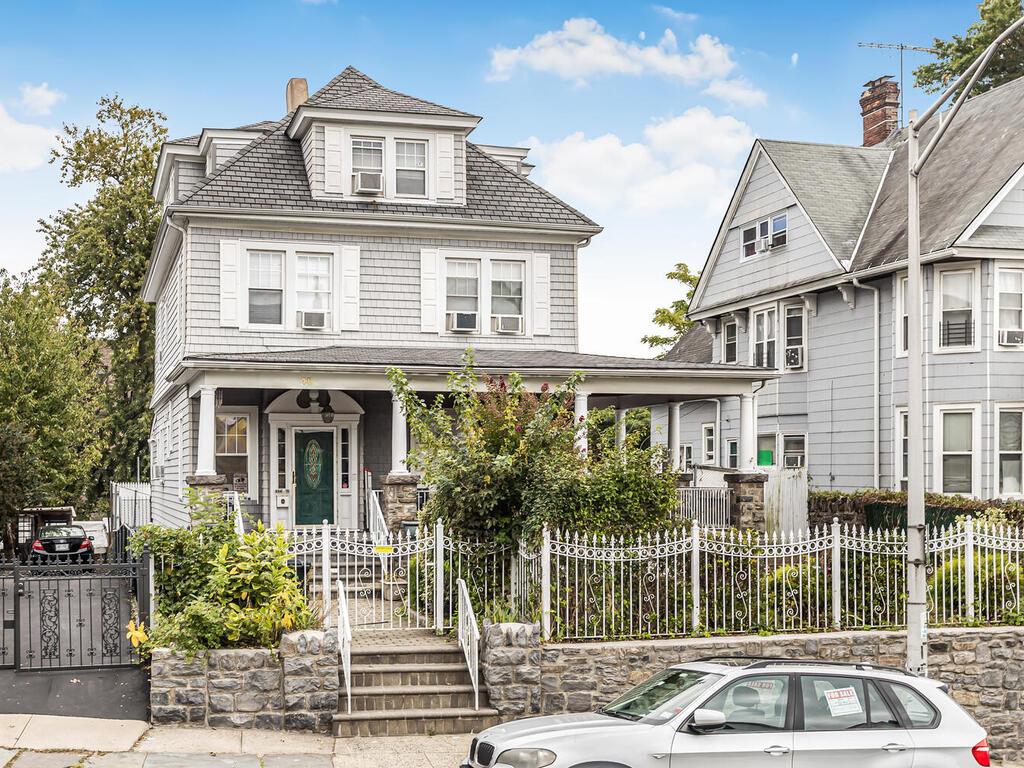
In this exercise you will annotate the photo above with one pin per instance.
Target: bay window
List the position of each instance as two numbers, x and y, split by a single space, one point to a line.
410 168
729 342
957 460
1011 307
956 310
266 287
764 338
1011 452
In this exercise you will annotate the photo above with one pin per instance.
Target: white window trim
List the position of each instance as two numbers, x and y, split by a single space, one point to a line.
289 284
976 308
736 328
999 266
898 350
732 446
977 453
428 171
775 448
705 457
752 331
683 448
252 442
757 226
1000 407
781 339
782 449
485 259
900 472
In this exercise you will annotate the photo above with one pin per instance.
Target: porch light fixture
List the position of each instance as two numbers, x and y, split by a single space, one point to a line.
327 414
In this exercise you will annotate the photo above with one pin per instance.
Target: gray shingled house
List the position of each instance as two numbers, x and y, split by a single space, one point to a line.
807 277
299 258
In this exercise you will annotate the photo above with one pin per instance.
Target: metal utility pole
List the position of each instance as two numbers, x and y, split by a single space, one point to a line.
901 47
917 603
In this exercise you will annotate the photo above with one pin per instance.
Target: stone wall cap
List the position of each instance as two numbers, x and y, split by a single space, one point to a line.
206 479
746 477
402 478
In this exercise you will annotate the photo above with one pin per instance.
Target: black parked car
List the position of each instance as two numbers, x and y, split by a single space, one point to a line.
62 544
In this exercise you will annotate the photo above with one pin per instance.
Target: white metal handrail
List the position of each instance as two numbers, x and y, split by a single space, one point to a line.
345 642
469 639
379 533
706 506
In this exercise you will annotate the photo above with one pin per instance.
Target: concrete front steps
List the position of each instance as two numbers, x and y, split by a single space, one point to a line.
410 682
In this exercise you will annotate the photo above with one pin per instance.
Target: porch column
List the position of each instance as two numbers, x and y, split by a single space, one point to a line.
399 437
580 412
206 459
673 435
620 427
748 438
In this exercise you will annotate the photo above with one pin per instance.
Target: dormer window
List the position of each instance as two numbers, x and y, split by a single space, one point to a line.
411 168
764 235
367 166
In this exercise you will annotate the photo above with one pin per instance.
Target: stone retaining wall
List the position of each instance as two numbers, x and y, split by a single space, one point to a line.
294 688
982 666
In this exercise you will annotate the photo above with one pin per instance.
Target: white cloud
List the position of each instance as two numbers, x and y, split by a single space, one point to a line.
699 134
582 49
642 35
679 17
23 145
39 99
737 91
794 59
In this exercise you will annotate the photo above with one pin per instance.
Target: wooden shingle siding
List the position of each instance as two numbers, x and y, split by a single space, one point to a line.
389 295
171 419
170 326
803 257
189 174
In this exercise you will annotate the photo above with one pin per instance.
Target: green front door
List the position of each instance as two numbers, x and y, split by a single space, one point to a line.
314 477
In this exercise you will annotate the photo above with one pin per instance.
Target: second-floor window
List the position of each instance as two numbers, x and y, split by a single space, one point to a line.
794 355
904 330
266 287
507 279
462 301
956 309
411 168
729 342
764 338
313 278
1011 307
368 155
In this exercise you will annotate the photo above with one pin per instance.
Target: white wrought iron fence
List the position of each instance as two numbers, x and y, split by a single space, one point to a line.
707 507
469 638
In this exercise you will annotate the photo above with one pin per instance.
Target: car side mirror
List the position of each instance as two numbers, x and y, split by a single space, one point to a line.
705 720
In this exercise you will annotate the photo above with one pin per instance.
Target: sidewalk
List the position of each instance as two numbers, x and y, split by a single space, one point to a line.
43 741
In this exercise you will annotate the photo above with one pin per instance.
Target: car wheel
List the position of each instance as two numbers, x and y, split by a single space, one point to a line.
600 764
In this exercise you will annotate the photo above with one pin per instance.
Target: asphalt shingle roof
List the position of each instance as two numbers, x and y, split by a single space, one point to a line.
980 152
835 184
353 90
998 236
694 346
451 357
262 125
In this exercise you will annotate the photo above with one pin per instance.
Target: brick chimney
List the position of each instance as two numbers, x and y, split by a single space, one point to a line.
880 109
296 93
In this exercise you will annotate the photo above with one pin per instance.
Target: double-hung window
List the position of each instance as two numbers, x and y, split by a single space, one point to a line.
904 318
770 232
410 168
903 419
368 165
507 279
266 287
957 459
686 456
732 449
1011 307
794 451
708 433
313 284
232 450
794 326
729 342
766 450
956 316
462 300
764 338
1011 451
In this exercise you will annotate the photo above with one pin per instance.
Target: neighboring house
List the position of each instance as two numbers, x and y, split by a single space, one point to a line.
807 276
298 259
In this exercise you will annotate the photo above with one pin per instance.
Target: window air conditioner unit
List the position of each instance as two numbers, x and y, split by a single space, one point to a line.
795 357
461 322
157 470
793 461
312 321
763 245
506 323
368 182
1011 338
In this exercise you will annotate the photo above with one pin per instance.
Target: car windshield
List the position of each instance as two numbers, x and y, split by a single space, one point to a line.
662 696
62 531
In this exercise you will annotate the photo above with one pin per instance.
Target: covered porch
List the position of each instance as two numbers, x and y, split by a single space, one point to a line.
305 434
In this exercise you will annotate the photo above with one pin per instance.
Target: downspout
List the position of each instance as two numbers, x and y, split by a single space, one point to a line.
876 365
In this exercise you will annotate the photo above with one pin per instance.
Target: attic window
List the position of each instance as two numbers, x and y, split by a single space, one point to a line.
768 233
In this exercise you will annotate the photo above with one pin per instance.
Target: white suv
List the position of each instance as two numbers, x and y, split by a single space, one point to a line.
768 713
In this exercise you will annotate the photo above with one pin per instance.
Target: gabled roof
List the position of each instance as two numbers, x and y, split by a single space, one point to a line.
353 90
981 151
270 174
694 346
834 184
262 126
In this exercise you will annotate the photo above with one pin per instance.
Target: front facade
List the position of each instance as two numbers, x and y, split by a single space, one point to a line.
808 277
299 259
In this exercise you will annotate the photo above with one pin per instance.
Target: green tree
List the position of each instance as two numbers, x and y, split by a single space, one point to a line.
673 317
957 53
96 257
48 404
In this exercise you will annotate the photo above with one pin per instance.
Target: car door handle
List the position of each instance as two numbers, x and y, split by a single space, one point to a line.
660 756
895 748
777 750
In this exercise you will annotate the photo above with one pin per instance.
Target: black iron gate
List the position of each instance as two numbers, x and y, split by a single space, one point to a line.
71 615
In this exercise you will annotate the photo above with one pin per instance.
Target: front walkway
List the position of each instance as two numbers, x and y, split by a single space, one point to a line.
42 741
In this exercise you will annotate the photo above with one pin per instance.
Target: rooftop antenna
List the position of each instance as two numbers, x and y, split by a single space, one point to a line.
901 47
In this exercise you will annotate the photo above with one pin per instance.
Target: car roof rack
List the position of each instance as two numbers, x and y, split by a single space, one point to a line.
762 662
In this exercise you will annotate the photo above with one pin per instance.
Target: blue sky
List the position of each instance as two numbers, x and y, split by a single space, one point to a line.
640 114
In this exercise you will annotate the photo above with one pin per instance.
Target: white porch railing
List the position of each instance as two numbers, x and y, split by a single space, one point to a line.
345 642
130 505
379 532
708 507
469 639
